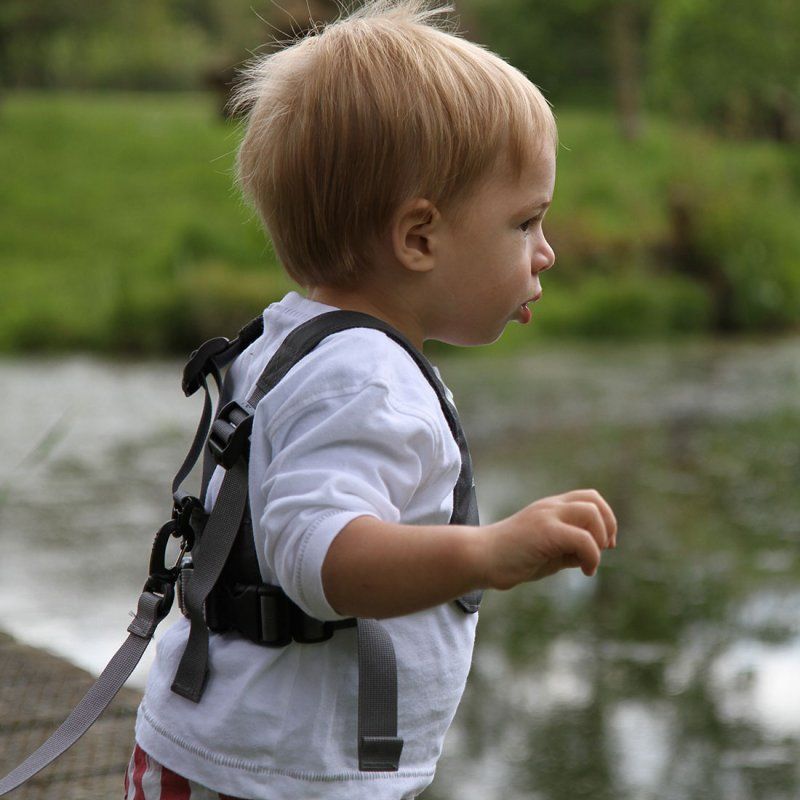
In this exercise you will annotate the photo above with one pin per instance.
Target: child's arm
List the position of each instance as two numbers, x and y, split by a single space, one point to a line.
378 569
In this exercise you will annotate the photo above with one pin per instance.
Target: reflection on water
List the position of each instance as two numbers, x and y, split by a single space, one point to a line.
89 450
672 674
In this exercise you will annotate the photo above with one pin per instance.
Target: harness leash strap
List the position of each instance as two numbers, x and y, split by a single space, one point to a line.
149 613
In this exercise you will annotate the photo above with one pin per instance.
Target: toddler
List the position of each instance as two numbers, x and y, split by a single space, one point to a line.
403 173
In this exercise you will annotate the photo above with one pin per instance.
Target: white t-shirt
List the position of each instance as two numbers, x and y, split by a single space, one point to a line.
353 429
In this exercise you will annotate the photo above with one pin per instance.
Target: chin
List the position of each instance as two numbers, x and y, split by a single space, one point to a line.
473 338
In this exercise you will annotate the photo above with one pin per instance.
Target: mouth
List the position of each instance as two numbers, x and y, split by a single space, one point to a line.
525 312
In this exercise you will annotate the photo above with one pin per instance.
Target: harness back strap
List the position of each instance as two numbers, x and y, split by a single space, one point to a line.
210 555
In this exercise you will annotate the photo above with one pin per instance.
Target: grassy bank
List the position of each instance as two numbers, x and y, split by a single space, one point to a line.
121 229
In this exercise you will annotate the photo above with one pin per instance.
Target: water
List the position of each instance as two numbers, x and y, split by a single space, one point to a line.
672 674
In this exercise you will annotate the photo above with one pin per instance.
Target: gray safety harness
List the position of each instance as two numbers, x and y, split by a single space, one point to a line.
219 584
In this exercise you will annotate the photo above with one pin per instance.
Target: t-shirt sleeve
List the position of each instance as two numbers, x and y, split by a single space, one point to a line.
334 458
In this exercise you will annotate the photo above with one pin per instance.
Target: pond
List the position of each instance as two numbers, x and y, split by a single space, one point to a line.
672 674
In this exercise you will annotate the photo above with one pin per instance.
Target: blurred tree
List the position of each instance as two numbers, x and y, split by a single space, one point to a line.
625 48
125 43
585 51
728 62
555 44
241 29
731 63
26 30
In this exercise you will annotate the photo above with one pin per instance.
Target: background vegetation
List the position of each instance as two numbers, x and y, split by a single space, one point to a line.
676 202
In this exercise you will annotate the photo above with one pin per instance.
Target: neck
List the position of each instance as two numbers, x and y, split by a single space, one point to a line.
375 303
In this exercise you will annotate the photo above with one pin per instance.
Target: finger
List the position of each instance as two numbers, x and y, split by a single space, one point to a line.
579 543
586 515
610 520
593 496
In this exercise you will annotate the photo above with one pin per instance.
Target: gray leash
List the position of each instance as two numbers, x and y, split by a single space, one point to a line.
154 604
157 597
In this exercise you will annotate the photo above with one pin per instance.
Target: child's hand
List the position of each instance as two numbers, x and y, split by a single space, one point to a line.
385 569
567 530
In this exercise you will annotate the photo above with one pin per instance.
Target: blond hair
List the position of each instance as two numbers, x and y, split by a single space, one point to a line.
376 108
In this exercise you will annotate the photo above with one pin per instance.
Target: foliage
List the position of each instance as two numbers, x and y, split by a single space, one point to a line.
112 201
122 229
734 216
124 44
632 306
133 44
732 64
577 69
683 202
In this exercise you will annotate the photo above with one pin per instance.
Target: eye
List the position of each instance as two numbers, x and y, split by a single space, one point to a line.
528 222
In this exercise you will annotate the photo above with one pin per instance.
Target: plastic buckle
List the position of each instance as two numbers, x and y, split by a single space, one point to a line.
217 612
161 580
379 753
275 616
229 439
185 511
308 630
158 569
199 363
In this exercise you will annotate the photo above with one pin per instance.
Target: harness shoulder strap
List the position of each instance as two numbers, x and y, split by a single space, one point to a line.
303 339
379 747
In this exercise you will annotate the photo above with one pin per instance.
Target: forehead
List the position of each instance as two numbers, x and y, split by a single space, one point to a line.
531 184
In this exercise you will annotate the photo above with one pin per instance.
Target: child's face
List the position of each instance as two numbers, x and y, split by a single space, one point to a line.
489 265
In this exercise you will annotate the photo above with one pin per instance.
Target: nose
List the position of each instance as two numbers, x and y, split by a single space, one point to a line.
543 257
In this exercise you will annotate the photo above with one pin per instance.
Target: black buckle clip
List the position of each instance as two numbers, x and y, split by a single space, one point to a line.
161 580
308 630
274 616
184 511
229 439
199 364
282 621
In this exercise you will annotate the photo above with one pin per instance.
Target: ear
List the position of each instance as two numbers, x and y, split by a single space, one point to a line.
415 228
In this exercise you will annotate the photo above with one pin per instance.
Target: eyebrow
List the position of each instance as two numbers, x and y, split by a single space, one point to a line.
532 207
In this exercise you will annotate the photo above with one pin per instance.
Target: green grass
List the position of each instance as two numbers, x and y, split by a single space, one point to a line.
122 230
120 208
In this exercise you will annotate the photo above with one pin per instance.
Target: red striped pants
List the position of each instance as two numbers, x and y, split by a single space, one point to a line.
146 779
